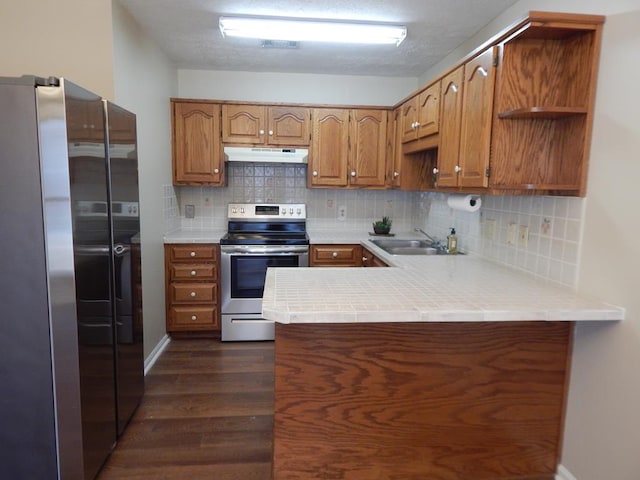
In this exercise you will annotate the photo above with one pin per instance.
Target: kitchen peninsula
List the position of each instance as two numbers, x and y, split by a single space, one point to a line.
444 367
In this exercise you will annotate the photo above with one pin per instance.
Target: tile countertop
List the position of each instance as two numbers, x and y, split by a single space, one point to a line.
194 236
423 289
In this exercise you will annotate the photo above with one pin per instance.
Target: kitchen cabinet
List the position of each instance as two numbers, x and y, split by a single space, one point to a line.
338 255
409 166
544 102
421 114
371 260
348 147
450 122
465 139
265 125
518 116
192 293
197 150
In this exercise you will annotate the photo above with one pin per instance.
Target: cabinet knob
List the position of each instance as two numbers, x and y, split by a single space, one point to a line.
334 254
315 173
194 317
270 132
193 254
193 273
435 171
261 132
396 174
193 294
216 170
353 174
457 169
364 259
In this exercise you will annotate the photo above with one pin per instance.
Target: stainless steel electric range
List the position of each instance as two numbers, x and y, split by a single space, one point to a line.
259 236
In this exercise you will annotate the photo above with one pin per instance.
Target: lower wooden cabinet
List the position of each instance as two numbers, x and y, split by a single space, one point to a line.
335 255
370 260
192 293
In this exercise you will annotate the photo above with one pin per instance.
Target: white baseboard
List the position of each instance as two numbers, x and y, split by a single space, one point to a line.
564 474
155 353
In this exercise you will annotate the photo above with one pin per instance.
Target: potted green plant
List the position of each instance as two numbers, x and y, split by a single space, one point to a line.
382 227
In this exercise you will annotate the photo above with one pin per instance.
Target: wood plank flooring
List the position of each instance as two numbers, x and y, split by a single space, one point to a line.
207 413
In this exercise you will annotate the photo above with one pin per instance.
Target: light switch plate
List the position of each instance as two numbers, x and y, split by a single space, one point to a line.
490 229
189 211
512 234
523 238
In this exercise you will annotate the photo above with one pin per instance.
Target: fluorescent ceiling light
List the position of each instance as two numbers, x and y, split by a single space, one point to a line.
301 30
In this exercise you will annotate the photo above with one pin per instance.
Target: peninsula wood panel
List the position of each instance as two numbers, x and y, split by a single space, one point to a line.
450 401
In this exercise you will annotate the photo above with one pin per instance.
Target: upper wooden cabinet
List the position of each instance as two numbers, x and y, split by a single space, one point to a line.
265 125
421 114
367 147
197 151
348 147
407 169
465 134
329 147
518 116
451 113
544 99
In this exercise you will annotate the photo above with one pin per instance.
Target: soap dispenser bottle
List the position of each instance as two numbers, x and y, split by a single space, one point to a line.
452 242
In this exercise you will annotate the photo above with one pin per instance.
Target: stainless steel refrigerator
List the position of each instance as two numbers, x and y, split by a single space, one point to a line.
71 358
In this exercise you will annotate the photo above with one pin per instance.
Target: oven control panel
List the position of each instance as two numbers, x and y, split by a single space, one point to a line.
260 211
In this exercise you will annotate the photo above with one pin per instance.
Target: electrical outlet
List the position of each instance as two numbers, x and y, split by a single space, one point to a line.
490 229
523 238
189 211
342 213
512 234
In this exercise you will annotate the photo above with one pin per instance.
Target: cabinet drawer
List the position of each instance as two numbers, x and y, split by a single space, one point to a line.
205 271
178 253
336 255
194 293
193 317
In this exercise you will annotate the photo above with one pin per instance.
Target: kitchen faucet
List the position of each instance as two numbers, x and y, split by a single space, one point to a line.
434 242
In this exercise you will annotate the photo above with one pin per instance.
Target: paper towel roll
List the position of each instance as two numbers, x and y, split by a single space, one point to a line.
466 203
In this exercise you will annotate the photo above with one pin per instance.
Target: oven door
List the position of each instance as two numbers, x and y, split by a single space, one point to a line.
243 272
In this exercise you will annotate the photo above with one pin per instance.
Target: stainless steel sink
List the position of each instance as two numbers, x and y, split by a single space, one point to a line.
408 247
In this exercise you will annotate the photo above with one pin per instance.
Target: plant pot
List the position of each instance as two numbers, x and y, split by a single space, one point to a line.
381 230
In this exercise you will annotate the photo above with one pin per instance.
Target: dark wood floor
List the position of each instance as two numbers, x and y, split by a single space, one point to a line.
207 413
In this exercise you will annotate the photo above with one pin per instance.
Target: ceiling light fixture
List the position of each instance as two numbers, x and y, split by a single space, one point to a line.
301 30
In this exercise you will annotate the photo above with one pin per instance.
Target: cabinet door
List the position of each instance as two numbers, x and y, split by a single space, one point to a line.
329 147
477 114
197 151
429 111
408 119
288 126
394 149
243 124
451 111
367 147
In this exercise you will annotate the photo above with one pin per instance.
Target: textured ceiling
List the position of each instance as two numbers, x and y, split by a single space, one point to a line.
187 31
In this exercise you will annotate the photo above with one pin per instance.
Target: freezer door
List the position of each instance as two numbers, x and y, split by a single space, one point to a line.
93 267
125 218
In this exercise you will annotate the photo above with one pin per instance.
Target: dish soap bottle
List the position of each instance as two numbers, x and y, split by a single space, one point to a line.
452 242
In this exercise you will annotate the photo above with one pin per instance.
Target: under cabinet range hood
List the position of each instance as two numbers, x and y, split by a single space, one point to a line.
266 155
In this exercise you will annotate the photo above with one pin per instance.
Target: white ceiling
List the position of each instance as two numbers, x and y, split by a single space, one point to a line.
187 31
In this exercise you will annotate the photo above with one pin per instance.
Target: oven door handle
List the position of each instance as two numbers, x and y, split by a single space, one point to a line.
263 249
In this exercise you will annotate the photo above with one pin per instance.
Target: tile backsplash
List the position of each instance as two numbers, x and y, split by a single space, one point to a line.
539 235
546 231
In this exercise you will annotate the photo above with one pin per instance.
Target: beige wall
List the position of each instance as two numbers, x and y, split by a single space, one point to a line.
602 432
65 38
144 81
296 88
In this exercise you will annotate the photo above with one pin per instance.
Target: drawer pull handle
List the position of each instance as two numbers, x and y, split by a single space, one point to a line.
193 254
193 273
193 317
193 294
